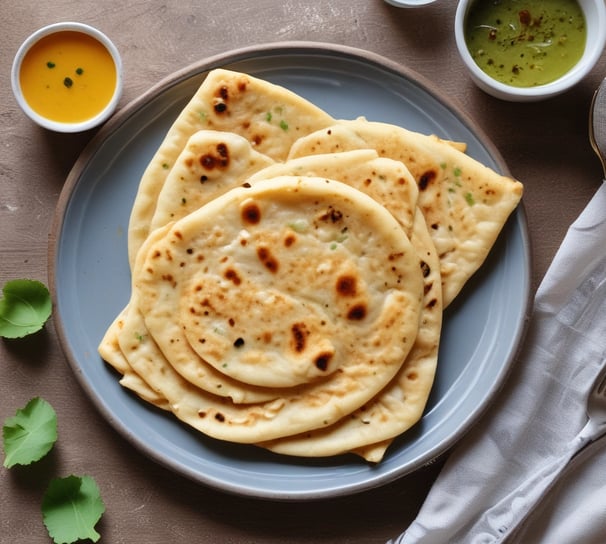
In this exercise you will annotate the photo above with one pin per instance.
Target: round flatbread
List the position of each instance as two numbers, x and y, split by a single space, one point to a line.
283 284
385 180
370 430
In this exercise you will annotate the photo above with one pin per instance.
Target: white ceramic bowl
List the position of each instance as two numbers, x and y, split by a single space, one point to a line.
61 126
595 17
409 3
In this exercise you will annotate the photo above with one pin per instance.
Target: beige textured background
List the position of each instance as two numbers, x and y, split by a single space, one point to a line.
545 145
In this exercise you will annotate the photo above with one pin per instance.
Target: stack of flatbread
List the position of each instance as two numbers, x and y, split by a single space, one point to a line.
290 270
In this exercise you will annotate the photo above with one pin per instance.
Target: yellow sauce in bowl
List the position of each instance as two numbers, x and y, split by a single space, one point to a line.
68 77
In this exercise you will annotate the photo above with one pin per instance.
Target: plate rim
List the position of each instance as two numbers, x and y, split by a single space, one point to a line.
280 49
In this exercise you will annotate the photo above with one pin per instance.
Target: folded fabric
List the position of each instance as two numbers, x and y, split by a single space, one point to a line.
540 409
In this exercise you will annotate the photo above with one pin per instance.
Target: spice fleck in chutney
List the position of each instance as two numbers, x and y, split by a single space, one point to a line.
68 77
526 43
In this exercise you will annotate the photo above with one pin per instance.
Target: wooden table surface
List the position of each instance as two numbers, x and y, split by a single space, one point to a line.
545 145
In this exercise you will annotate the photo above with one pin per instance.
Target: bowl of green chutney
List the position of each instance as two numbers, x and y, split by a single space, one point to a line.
528 50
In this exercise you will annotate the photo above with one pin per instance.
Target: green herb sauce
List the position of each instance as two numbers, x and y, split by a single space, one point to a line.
526 43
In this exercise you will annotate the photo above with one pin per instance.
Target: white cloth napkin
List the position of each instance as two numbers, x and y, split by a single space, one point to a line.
540 409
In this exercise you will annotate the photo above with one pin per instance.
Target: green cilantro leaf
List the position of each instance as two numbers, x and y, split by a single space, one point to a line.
24 309
71 507
30 434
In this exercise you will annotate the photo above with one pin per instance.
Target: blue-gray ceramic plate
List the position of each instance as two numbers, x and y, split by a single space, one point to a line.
89 275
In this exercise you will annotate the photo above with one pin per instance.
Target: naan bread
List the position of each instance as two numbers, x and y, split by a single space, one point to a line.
370 430
465 204
323 312
387 181
211 163
269 116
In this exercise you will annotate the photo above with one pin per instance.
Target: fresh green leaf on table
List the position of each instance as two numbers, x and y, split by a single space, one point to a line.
71 508
24 308
30 434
